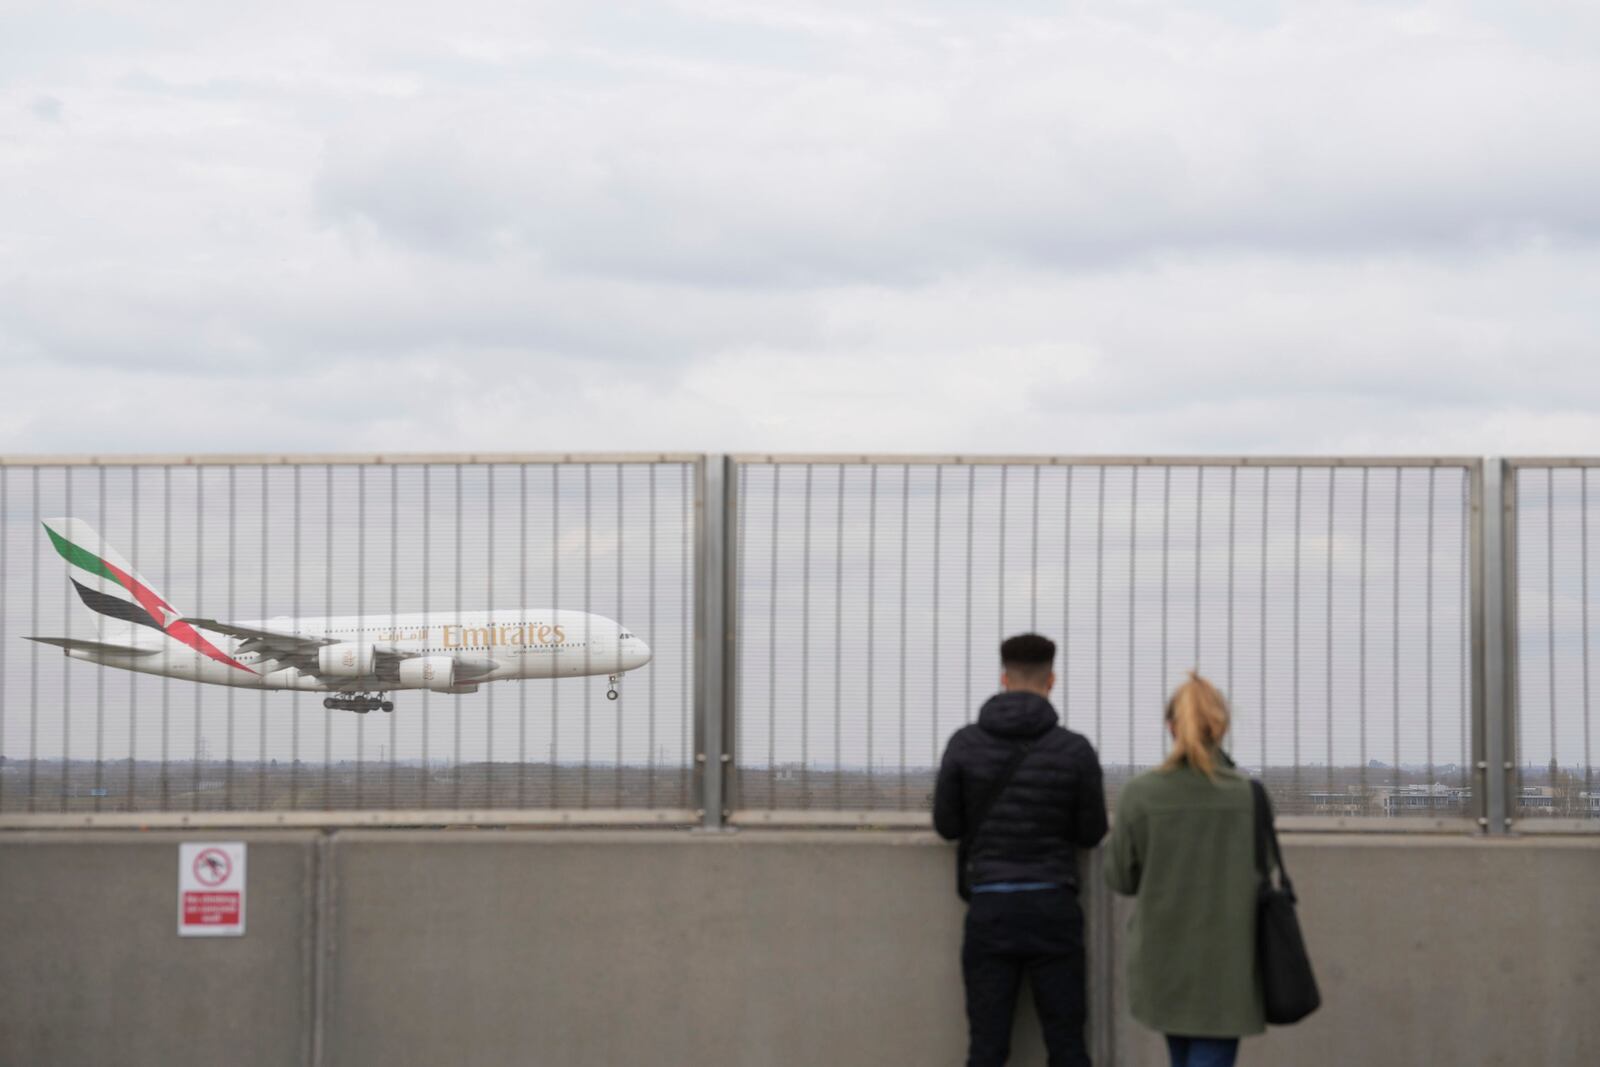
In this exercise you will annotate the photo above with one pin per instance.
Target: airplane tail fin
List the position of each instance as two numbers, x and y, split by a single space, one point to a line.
106 582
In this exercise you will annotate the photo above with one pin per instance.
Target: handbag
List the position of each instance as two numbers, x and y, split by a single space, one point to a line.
964 847
1289 987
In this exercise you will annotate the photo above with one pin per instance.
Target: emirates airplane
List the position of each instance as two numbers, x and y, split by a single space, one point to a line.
360 658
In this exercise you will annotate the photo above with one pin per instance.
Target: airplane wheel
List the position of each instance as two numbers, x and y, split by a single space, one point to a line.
327 702
387 705
611 694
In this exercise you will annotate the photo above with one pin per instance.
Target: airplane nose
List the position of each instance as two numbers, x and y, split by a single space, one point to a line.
639 654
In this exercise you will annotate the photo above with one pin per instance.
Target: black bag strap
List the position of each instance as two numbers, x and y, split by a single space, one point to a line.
1267 836
999 786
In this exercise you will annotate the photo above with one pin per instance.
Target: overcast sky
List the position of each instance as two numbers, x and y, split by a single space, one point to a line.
719 225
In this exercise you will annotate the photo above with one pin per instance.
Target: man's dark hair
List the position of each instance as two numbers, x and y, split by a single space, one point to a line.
1028 657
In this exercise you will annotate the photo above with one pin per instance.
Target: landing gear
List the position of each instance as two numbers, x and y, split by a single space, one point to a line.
612 693
358 703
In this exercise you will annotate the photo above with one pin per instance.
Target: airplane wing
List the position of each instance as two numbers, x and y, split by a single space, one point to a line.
291 650
98 647
287 649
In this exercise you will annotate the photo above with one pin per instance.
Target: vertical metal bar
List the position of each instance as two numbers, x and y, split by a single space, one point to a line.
935 659
33 666
1033 557
233 613
526 618
972 483
199 606
294 596
838 645
1299 473
493 627
1583 605
872 625
1394 620
691 519
738 488
327 622
805 648
905 531
650 621
1333 482
133 678
622 550
261 697
1099 603
1433 479
1266 499
1133 604
394 605
1494 637
66 675
720 746
361 617
555 655
5 539
588 607
1549 605
99 676
427 589
1361 660
1000 581
772 643
456 771
1199 553
1066 605
1166 570
1233 512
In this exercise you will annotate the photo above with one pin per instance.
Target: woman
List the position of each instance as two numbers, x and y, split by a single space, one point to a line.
1184 845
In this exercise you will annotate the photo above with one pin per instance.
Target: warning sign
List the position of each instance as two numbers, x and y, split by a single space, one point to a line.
211 890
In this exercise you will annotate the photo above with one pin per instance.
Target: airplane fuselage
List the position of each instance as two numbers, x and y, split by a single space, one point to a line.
484 646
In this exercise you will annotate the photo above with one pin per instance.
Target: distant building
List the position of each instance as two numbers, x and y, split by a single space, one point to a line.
1337 803
1433 799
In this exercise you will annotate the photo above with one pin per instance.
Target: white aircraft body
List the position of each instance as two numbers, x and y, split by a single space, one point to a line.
361 658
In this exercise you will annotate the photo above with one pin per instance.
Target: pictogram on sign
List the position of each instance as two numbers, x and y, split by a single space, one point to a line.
211 889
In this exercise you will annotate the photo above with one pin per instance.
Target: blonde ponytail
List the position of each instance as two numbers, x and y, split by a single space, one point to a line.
1199 719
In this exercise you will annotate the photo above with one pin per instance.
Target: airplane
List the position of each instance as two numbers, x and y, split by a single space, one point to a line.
359 658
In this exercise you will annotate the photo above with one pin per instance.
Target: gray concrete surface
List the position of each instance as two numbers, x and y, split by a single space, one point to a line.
553 948
93 973
662 947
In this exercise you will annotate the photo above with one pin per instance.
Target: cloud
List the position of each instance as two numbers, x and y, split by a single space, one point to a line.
1258 227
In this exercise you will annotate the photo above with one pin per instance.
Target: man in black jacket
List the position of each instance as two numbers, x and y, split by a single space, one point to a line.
1024 794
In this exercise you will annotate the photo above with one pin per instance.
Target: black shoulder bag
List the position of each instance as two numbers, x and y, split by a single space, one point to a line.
964 848
1286 979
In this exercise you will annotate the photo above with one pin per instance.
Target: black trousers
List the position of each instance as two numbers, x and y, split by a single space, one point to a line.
1038 933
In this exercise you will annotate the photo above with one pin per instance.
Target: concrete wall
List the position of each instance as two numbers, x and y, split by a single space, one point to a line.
92 970
743 949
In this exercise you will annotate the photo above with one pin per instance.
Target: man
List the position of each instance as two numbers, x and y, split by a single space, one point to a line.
1024 794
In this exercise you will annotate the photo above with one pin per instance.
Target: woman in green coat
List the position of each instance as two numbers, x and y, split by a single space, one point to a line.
1184 846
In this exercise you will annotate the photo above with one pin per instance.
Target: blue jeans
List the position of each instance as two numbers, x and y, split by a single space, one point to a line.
1202 1051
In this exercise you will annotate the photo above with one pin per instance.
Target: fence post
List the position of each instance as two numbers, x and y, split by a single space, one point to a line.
711 639
1494 637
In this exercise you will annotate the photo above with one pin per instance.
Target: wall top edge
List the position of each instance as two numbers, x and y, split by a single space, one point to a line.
292 459
1471 463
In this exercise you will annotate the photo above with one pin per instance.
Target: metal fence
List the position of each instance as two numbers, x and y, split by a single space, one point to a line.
817 627
1331 600
477 565
1554 519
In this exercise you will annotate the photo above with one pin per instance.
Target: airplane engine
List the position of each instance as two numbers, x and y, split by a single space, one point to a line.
428 672
347 660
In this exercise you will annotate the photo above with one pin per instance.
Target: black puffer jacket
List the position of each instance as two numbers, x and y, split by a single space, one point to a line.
1054 804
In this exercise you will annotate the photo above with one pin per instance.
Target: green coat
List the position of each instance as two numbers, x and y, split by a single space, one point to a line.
1184 845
